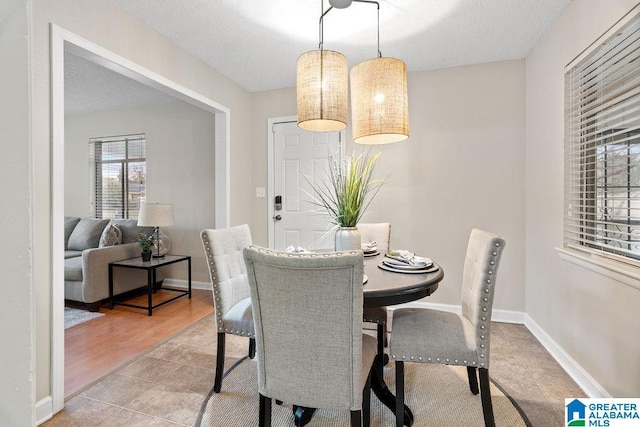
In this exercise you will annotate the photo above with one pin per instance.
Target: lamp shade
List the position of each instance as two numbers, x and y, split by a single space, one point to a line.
379 104
155 215
322 90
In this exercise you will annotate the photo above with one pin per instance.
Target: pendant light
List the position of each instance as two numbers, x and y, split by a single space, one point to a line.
379 101
322 79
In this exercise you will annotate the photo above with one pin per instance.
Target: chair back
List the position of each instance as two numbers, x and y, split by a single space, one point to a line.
478 281
380 232
223 250
307 311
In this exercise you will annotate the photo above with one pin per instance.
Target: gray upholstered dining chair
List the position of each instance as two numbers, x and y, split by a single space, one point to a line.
433 336
306 358
380 233
223 250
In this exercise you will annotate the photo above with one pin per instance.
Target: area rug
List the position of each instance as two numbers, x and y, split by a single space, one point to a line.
438 395
73 316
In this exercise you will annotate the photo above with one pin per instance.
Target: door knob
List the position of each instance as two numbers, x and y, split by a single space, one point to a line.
277 218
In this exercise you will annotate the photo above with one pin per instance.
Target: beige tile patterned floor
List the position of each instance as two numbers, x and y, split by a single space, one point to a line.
166 386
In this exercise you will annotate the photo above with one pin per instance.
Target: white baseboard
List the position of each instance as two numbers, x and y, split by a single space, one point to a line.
176 283
588 384
44 410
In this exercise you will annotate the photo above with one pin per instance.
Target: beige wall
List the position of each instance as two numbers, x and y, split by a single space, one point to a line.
179 169
596 320
462 167
16 308
103 23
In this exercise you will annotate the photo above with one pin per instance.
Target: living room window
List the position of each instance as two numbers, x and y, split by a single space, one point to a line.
118 175
602 146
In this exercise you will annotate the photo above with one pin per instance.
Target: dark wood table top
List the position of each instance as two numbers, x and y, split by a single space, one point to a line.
389 288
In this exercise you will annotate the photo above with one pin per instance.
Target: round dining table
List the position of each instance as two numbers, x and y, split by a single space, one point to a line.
381 289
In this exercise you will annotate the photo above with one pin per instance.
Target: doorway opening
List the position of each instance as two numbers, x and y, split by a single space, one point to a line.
62 40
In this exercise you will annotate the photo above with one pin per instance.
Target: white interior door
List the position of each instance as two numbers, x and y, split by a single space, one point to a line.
301 157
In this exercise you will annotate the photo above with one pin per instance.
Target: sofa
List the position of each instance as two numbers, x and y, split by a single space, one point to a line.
90 245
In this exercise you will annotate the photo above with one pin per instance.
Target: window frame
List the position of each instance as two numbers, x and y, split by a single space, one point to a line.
589 226
96 172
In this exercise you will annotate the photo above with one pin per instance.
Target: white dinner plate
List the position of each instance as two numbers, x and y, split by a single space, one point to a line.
365 279
369 254
431 269
399 265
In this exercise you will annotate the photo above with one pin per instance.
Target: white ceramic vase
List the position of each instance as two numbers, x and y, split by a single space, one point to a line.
347 239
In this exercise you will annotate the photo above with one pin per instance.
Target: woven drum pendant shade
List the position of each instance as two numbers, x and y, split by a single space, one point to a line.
322 90
379 105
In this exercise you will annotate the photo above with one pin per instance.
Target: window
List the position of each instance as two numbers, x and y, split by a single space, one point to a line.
602 146
118 174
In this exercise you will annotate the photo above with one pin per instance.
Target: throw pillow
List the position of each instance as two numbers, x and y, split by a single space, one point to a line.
111 236
87 234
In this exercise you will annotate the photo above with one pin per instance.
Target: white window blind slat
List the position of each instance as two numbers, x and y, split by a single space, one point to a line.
602 146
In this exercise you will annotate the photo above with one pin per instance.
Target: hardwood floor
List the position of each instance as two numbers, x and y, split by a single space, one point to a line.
97 347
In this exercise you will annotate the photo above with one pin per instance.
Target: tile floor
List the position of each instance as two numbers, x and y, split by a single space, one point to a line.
166 386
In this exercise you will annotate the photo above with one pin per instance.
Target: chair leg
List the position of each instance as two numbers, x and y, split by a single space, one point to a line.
485 395
217 385
473 379
356 418
380 337
366 401
399 394
265 411
252 348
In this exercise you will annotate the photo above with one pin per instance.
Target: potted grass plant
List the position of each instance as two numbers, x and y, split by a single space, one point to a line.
345 195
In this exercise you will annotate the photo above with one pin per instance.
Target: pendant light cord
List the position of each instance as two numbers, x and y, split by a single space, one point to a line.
324 12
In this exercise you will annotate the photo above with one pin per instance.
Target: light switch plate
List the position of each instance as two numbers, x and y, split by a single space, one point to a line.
260 192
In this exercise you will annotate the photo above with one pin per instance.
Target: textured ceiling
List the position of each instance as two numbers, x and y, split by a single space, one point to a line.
89 87
256 42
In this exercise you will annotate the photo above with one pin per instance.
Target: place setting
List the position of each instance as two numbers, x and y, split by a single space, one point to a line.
403 261
370 249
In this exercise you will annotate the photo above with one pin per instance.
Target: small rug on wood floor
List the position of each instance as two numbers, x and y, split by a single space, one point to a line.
74 316
438 395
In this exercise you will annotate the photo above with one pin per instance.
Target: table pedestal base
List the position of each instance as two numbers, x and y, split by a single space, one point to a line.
303 415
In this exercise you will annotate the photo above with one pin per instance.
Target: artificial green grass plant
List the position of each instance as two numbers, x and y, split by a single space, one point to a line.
350 188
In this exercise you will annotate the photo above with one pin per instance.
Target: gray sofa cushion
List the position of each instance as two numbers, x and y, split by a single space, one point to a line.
73 269
70 223
72 254
130 229
87 234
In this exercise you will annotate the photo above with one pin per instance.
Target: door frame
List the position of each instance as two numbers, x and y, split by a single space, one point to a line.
271 122
61 40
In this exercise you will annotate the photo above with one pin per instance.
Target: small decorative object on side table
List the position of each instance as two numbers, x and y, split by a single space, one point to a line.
146 243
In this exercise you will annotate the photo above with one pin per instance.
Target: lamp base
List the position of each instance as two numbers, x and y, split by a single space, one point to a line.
161 245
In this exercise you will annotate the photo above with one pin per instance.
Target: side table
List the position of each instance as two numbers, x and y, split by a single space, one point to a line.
150 267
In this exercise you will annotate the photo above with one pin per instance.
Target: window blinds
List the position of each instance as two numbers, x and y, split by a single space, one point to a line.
602 146
118 170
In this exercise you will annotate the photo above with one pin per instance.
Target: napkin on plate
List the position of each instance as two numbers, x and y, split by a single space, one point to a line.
369 247
298 250
409 258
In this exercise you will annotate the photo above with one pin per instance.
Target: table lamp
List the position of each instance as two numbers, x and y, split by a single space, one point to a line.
157 215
